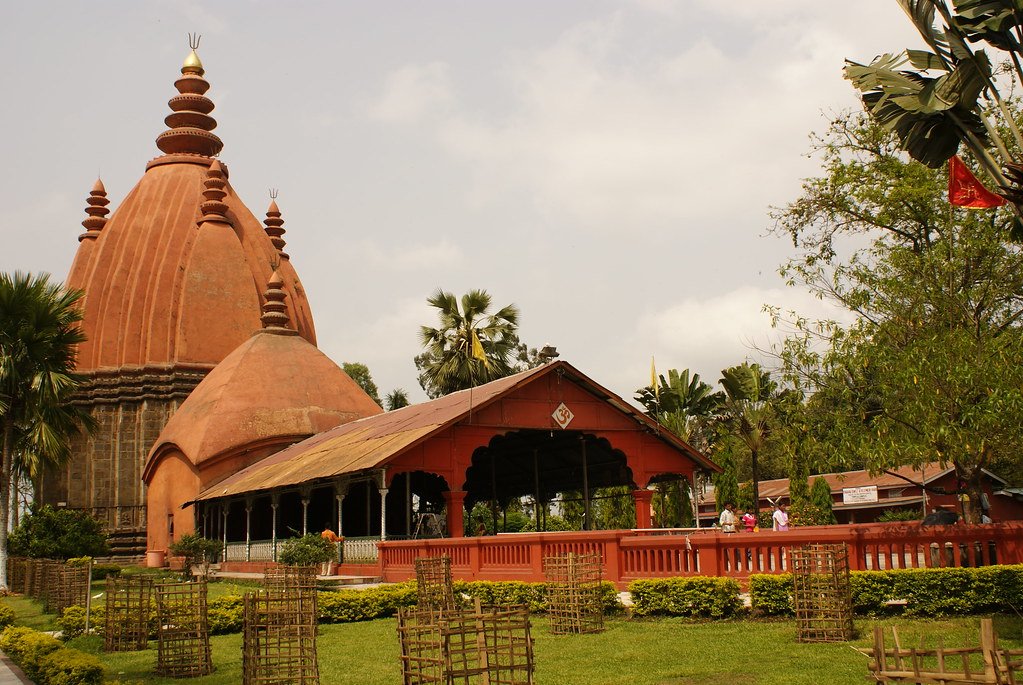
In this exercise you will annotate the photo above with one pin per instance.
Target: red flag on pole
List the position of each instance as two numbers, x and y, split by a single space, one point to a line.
964 190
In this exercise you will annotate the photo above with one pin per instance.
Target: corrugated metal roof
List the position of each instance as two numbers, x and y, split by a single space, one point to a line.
371 442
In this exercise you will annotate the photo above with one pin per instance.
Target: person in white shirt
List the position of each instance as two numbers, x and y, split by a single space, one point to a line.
781 519
727 520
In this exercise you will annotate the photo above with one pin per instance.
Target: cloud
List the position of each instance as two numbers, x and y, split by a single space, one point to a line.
412 92
411 258
708 334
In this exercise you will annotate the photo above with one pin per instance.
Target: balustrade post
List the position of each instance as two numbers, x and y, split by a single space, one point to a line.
612 557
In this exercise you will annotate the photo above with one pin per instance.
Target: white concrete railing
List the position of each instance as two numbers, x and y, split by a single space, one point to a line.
356 550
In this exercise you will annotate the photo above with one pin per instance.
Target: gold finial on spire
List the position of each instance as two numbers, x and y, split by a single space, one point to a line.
192 63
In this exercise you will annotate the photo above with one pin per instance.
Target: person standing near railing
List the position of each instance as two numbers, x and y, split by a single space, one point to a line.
727 519
780 517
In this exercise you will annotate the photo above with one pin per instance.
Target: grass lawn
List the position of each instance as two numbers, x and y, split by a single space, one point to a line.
630 652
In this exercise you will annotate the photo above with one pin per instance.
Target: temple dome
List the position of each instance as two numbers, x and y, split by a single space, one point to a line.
274 389
170 283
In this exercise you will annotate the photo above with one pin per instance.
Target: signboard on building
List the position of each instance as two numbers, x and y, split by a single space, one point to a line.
563 415
867 493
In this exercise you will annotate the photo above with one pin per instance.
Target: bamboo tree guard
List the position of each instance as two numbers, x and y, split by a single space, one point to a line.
16 573
183 635
821 596
481 645
71 586
300 579
433 584
574 593
50 589
980 665
129 606
278 639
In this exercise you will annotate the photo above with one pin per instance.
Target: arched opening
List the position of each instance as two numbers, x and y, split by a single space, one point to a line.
572 468
415 505
672 505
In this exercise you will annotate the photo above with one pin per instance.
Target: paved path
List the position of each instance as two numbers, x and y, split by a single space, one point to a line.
11 674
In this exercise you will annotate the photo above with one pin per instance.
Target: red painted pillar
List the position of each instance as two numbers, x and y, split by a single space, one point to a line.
455 501
642 499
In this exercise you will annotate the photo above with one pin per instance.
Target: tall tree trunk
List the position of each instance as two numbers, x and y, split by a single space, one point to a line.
756 480
5 492
14 503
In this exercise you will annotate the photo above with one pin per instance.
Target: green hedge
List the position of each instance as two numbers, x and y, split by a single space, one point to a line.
46 661
697 597
926 592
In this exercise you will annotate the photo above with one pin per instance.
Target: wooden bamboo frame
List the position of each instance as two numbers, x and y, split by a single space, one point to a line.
574 602
482 645
821 594
129 606
278 639
434 588
183 636
986 664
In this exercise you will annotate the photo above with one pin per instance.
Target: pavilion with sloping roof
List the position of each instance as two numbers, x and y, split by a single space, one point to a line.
537 433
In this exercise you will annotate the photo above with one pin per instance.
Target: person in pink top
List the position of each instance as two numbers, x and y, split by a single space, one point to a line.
749 521
780 518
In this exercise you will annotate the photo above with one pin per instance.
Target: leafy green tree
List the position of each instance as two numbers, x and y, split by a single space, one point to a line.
396 399
470 346
195 550
726 483
38 334
613 508
748 411
48 533
820 498
949 94
359 373
683 404
925 366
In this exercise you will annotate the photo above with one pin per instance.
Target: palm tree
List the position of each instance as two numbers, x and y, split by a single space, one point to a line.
470 346
38 335
748 411
396 399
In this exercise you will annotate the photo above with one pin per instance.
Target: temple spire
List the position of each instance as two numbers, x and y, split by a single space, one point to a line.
96 210
275 225
213 207
189 123
275 313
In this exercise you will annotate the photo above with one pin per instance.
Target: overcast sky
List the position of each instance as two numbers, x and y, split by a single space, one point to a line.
606 166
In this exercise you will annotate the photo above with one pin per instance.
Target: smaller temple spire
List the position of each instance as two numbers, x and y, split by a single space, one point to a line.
213 207
275 313
275 225
189 123
97 212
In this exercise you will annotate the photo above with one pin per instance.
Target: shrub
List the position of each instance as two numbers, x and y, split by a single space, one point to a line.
51 533
889 515
6 616
226 614
771 595
72 622
926 591
345 606
67 666
308 550
196 550
101 571
696 597
27 647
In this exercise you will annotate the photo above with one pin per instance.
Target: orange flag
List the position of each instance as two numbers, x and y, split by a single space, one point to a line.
964 190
